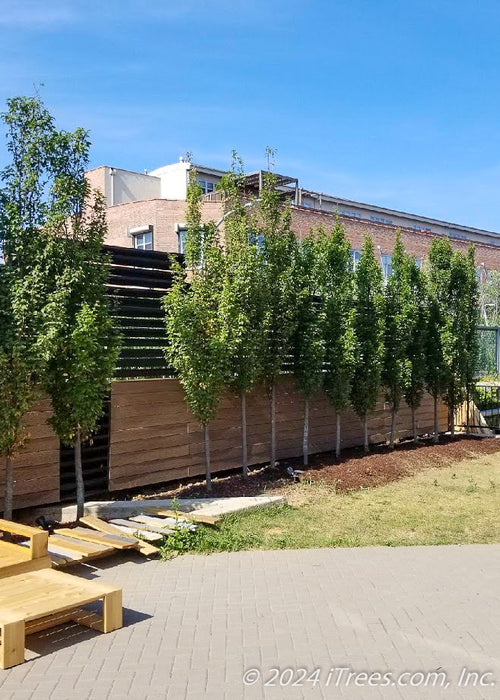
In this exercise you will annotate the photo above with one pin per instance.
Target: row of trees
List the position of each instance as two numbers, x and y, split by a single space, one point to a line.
56 335
257 300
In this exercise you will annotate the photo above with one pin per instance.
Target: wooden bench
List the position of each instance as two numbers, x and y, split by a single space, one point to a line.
36 600
15 559
34 597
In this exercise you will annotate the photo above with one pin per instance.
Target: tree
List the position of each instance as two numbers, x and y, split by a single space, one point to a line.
84 344
438 343
307 339
396 302
26 198
335 289
196 348
459 332
17 390
368 332
241 297
278 319
416 320
471 302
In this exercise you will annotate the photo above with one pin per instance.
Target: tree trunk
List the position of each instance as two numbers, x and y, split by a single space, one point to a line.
337 441
272 410
393 427
305 436
436 422
414 424
366 442
80 488
9 488
451 420
244 447
208 473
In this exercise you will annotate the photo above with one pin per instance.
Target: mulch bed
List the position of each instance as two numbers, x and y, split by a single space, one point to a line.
353 471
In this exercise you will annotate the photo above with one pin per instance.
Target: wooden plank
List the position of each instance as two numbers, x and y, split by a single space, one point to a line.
135 525
12 646
58 560
101 525
191 515
162 523
143 534
106 539
72 545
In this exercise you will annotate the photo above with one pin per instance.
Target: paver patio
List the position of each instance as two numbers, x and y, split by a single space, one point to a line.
195 624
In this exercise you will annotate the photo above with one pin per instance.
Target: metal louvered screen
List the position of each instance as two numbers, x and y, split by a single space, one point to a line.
138 280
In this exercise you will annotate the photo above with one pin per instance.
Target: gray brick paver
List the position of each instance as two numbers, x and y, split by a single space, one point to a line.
372 609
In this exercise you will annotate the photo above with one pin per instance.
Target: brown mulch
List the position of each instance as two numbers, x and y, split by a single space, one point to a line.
353 471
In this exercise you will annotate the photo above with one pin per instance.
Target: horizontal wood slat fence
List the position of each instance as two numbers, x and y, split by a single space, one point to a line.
36 467
154 438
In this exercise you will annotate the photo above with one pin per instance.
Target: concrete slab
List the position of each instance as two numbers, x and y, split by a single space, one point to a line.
124 509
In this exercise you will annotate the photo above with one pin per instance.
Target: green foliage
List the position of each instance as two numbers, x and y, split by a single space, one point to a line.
84 345
278 263
196 347
397 306
368 331
416 320
308 343
241 302
438 284
80 371
335 289
26 200
452 347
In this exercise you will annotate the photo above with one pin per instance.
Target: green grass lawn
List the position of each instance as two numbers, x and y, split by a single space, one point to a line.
459 504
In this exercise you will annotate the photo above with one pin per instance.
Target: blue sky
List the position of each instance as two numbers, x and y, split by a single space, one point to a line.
392 102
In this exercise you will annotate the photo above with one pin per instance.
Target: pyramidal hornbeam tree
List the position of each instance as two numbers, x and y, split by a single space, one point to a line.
459 335
416 320
335 290
241 303
438 344
368 322
195 347
307 341
396 303
279 315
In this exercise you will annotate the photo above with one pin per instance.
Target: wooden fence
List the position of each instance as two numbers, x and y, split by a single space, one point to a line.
154 438
36 467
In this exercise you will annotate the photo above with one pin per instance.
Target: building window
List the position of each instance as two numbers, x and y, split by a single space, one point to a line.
182 234
386 261
206 186
355 258
143 241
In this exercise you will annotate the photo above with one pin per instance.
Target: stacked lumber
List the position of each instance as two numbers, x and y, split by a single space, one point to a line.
143 532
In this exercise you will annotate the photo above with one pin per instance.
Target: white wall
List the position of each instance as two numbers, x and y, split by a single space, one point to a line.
174 179
126 186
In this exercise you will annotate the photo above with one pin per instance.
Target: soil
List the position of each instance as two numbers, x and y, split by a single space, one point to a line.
354 470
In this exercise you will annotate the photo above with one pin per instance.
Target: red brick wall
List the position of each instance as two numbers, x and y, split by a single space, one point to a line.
165 214
416 243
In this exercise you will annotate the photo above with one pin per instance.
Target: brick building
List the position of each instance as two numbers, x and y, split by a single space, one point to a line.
147 211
